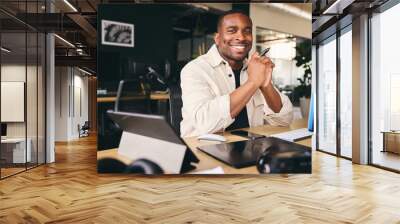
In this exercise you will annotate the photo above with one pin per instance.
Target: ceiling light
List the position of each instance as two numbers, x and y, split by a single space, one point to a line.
337 7
181 29
64 40
199 6
71 6
5 50
291 9
84 71
331 7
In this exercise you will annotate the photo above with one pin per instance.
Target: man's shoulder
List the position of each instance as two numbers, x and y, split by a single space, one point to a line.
200 64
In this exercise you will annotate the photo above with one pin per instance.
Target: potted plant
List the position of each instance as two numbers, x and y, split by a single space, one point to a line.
302 92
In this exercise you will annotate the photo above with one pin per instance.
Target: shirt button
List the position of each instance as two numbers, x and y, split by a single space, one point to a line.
230 75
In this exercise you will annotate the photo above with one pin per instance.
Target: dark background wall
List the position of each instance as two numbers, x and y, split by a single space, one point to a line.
159 31
153 41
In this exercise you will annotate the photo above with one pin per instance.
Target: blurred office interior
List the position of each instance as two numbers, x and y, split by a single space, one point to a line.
69 78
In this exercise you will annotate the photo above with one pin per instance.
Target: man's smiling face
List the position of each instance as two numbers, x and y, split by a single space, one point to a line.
234 37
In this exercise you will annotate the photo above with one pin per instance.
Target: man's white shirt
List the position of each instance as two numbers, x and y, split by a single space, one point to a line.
206 83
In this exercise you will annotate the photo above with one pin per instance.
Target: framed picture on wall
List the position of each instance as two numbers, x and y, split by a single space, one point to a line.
117 33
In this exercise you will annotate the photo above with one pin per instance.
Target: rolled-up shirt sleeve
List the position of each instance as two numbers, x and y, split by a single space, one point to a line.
203 110
284 117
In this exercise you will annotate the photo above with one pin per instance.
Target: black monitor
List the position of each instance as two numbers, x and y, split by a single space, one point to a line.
3 129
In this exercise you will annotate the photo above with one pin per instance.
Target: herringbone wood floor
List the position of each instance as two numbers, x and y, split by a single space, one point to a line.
70 191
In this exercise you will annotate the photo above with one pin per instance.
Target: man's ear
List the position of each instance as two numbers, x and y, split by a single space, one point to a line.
216 38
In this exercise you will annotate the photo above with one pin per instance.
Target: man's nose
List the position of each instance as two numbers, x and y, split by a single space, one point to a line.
240 36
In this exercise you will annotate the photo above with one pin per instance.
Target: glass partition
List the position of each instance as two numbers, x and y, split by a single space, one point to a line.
13 107
22 79
327 96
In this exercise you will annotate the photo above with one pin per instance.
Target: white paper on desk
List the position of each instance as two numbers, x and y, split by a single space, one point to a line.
216 170
168 155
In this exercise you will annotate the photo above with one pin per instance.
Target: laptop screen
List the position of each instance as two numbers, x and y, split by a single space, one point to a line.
153 126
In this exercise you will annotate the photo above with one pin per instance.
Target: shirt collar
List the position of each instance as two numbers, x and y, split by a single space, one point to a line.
215 58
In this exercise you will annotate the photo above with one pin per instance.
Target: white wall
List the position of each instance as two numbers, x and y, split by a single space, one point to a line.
14 72
17 72
61 103
80 98
71 102
82 82
279 20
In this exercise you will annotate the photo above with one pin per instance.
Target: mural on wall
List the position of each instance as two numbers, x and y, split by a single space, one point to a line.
117 33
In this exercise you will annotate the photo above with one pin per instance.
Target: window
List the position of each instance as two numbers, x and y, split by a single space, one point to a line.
346 93
385 89
282 52
327 96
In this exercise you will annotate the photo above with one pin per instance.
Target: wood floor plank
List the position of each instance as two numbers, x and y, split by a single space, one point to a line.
71 191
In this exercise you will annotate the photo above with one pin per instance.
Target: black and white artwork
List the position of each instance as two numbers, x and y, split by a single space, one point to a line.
117 33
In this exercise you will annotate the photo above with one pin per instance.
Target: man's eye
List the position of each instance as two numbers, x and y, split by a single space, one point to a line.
231 30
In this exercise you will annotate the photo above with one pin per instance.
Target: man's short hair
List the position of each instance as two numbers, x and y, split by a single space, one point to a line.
230 12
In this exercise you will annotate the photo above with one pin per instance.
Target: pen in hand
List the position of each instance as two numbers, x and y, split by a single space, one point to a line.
264 52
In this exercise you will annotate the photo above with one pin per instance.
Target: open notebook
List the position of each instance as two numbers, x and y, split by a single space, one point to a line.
294 135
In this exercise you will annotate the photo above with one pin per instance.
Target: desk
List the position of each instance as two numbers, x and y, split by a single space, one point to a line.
13 150
153 96
391 141
207 162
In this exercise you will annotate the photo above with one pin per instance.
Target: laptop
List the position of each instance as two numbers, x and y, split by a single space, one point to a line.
154 126
155 139
246 153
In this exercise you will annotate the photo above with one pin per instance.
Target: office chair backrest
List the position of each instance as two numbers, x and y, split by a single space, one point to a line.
175 105
133 96
86 126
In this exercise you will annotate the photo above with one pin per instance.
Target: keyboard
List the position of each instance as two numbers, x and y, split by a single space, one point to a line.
294 135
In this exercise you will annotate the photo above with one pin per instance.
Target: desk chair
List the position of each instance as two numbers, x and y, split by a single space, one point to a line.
84 129
133 96
175 107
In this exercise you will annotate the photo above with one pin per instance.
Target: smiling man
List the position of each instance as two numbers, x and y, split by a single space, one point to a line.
219 93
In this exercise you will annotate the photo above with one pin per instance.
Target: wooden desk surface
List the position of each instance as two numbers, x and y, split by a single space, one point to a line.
207 162
153 96
13 140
